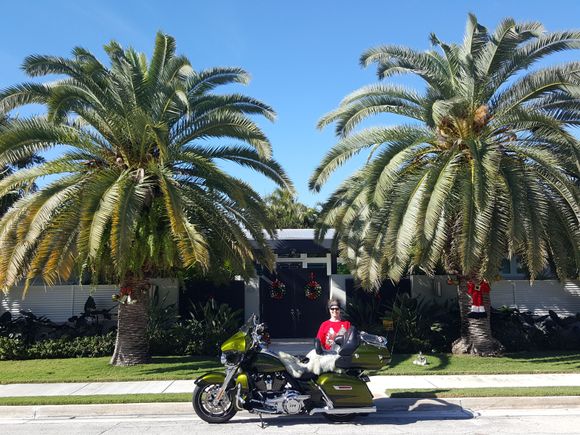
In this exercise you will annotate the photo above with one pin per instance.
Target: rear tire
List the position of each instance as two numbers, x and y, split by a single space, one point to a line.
340 418
204 407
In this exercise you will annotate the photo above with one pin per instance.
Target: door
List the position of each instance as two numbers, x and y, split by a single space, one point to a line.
294 315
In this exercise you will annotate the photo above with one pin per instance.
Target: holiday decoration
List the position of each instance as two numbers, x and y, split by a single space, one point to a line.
452 280
312 289
277 289
476 292
125 296
420 360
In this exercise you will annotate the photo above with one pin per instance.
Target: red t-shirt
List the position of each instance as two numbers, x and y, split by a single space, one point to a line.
329 329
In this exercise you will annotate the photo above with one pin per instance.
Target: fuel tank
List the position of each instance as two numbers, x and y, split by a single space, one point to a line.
266 362
345 390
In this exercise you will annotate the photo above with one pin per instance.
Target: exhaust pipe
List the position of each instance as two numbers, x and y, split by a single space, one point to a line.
366 410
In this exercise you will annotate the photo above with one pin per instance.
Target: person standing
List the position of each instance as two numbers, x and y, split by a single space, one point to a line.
332 327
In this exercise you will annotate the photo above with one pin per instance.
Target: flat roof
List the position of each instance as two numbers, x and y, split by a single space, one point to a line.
299 239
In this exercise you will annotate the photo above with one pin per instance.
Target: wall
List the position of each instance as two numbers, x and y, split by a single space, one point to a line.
59 303
338 287
252 298
544 295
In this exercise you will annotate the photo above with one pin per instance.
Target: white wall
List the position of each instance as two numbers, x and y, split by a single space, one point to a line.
59 303
338 288
252 297
543 295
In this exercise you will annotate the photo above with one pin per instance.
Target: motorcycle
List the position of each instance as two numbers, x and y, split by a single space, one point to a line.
263 382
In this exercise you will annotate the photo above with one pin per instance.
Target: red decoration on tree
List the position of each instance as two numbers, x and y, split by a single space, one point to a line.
313 290
476 292
125 296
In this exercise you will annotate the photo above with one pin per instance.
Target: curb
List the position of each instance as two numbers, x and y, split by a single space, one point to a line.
410 407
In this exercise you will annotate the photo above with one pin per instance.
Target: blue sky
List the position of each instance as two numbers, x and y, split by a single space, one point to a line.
302 55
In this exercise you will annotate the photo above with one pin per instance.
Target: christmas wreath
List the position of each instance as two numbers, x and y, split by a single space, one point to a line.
277 289
312 289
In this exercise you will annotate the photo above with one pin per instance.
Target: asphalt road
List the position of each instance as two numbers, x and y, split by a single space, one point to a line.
446 421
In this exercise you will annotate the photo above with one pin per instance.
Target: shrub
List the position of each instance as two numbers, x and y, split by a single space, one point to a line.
423 326
12 348
210 325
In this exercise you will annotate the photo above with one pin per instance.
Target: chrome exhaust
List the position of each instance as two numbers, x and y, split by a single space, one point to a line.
366 410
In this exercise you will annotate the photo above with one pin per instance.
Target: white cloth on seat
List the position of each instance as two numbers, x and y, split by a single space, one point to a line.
316 364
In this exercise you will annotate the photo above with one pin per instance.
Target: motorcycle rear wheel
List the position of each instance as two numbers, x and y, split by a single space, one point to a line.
204 407
339 418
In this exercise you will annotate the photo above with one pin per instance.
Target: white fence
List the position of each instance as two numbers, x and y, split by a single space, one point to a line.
543 295
59 303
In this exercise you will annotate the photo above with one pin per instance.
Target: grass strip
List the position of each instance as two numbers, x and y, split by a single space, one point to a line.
485 392
97 399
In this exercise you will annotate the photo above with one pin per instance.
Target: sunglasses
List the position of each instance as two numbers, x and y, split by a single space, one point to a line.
335 309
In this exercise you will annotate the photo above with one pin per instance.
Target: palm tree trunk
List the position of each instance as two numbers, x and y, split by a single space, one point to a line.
476 338
132 345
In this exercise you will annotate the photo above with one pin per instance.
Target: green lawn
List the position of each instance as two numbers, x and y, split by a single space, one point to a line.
99 370
524 362
169 368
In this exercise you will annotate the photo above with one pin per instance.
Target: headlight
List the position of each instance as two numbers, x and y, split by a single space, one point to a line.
230 358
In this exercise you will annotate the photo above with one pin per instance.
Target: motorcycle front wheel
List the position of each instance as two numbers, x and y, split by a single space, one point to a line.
207 410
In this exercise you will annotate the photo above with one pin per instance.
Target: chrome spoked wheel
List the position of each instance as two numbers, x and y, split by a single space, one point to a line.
208 409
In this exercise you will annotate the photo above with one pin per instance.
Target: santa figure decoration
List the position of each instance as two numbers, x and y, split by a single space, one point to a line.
476 292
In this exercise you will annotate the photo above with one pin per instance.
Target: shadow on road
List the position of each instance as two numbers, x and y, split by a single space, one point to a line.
405 411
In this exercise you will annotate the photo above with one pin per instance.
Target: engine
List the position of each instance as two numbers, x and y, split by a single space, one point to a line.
289 402
275 394
270 382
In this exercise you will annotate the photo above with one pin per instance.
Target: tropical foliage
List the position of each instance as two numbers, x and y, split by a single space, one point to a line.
137 189
485 168
286 212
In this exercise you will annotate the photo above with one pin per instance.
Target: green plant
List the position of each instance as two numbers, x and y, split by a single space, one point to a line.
210 325
12 348
423 326
365 310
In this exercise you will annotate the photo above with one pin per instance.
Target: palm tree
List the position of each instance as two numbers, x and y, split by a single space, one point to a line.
139 192
286 212
486 168
7 200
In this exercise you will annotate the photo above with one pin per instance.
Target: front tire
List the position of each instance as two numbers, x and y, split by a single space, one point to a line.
203 396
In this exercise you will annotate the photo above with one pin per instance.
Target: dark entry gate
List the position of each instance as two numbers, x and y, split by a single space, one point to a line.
294 316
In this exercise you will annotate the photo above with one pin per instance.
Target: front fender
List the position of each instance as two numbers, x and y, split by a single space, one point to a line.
210 378
219 378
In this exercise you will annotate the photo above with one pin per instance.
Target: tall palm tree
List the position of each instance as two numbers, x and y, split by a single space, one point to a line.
486 168
286 212
7 200
139 192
